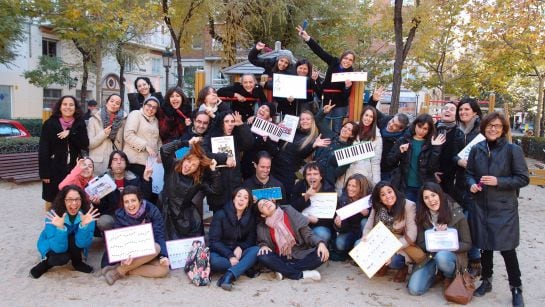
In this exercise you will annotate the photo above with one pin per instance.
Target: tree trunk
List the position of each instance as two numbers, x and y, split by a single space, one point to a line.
179 68
98 75
537 119
84 79
121 61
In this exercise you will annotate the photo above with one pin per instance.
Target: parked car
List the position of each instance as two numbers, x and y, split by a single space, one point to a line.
12 129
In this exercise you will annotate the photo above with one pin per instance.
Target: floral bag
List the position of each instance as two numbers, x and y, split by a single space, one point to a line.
197 265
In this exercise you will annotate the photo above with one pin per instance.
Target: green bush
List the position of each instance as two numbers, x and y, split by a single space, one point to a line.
19 145
533 147
33 125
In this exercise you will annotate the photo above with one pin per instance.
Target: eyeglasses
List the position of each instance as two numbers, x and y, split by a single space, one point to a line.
497 127
151 107
72 200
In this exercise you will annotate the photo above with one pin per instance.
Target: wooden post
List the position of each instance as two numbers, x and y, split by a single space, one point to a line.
491 102
506 113
200 81
46 113
425 108
356 100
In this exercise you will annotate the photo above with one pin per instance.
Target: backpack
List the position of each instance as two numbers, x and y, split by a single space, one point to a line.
197 265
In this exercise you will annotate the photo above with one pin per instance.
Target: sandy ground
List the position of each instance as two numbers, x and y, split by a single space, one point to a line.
342 284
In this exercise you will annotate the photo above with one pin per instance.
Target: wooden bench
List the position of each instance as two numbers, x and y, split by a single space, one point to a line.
537 175
19 167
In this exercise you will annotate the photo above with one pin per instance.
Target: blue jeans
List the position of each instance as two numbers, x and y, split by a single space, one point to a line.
411 194
422 279
290 268
397 262
219 263
337 116
323 233
345 241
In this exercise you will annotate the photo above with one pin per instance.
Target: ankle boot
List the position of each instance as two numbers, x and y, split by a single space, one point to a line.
474 267
401 274
228 279
518 301
82 267
40 269
111 276
383 271
485 287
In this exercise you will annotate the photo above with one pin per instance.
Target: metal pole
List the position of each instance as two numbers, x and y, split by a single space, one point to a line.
166 79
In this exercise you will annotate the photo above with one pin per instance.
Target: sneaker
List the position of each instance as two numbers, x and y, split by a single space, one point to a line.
278 276
312 275
111 276
107 268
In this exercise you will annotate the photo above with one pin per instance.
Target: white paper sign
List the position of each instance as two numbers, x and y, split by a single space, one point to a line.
289 127
157 178
133 241
354 208
289 86
372 254
464 154
223 144
100 186
352 76
179 249
441 240
322 205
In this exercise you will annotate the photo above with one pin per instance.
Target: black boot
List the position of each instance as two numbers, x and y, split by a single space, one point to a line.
228 279
518 301
40 269
486 286
82 267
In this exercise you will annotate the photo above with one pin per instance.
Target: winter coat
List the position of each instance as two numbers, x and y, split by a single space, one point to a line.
227 232
370 168
462 139
100 145
405 230
182 219
448 153
306 240
112 201
140 132
494 221
151 215
136 101
299 203
231 177
56 240
253 183
353 223
246 108
171 123
58 156
428 162
340 98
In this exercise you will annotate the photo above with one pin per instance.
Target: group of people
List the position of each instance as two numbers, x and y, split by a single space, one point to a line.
416 180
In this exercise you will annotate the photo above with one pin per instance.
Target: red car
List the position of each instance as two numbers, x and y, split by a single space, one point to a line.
12 129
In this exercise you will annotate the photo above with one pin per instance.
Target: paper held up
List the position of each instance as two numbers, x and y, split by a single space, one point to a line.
464 154
354 208
372 254
446 240
285 86
322 205
349 76
132 241
100 186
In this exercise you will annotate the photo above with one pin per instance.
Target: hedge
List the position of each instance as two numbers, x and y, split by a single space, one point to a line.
33 125
533 147
19 145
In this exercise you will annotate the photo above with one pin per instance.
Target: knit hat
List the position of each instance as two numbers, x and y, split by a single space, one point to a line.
152 98
286 54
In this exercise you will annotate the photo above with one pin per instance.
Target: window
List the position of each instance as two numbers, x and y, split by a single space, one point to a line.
51 96
130 66
197 42
49 47
7 130
156 65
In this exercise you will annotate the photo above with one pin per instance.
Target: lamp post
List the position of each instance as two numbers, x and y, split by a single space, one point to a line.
416 107
167 62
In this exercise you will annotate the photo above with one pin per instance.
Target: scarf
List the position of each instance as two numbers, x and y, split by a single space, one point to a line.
466 128
112 119
282 235
140 211
66 124
386 218
445 126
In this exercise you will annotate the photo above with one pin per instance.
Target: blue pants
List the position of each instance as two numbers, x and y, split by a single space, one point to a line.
345 241
290 268
219 263
337 116
323 233
422 279
411 194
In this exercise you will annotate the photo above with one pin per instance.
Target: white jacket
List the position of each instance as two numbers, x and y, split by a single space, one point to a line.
140 132
100 145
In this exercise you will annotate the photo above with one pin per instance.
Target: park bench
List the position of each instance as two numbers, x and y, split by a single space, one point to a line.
19 167
537 175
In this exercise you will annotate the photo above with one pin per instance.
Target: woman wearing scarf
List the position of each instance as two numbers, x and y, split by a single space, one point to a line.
287 245
137 211
62 141
175 115
105 130
447 126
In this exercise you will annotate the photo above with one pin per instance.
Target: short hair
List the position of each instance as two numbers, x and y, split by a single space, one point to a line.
248 75
347 52
148 81
250 197
421 120
262 154
132 189
175 89
59 204
203 93
403 119
120 153
110 96
493 116
56 112
304 62
313 166
473 104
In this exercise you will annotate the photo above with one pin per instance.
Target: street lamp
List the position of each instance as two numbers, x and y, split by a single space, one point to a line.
416 108
167 62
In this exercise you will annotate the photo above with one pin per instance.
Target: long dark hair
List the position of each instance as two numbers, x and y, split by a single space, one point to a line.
171 91
148 81
420 121
355 130
59 204
304 62
399 206
423 216
123 156
371 134
202 95
56 112
473 104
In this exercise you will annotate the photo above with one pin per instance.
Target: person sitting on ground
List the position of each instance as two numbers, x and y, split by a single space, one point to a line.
137 211
68 232
287 245
232 235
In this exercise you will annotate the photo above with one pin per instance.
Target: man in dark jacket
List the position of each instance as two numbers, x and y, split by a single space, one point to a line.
262 178
199 126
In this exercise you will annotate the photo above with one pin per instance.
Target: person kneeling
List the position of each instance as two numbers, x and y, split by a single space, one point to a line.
67 233
287 245
137 211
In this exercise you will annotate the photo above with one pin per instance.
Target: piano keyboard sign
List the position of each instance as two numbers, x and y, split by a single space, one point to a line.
354 153
266 128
